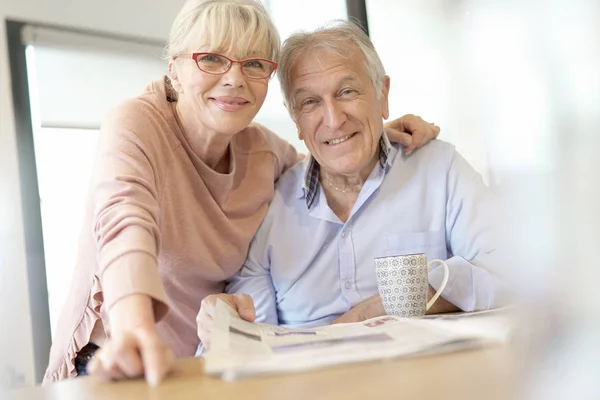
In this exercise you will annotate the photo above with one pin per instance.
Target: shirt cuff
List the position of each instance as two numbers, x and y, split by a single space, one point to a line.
469 287
134 273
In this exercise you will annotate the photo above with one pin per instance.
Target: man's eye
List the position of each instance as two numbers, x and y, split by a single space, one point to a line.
346 92
308 104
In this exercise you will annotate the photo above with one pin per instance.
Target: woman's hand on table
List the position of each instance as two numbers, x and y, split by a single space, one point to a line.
134 348
419 131
241 303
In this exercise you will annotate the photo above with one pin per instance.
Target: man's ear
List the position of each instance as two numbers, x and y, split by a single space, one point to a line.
174 77
300 135
383 100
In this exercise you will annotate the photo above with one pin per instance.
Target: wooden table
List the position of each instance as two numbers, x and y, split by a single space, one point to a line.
486 373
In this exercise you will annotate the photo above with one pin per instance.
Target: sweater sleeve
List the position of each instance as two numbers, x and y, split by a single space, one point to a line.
285 154
125 196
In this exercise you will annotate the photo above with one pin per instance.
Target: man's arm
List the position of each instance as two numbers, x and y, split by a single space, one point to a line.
255 280
471 223
250 292
373 307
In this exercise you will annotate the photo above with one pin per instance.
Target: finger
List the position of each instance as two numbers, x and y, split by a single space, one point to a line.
424 134
110 363
207 306
128 356
420 137
205 328
156 357
397 136
129 362
204 336
245 306
94 368
399 124
102 366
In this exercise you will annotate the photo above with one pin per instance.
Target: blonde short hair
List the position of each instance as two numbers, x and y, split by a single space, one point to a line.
241 26
340 37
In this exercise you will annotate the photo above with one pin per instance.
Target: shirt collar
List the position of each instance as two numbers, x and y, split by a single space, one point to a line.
311 171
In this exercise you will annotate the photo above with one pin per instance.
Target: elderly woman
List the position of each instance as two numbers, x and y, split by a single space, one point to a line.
356 198
183 180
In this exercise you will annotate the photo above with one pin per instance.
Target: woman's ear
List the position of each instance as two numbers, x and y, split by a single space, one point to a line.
174 77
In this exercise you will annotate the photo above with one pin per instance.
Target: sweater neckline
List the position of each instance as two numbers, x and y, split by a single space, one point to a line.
209 175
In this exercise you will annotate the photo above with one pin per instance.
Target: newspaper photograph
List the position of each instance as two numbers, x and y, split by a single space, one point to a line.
240 348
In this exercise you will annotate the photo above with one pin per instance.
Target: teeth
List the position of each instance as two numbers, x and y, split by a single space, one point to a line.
340 140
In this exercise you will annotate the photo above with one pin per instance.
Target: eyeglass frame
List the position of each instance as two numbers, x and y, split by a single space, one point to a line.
194 56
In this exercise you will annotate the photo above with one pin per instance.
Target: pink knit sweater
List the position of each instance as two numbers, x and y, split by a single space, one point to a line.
162 223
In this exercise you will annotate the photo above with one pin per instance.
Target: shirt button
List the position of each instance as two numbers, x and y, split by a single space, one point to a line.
344 235
348 285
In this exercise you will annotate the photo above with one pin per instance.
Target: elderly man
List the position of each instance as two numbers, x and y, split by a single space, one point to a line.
357 197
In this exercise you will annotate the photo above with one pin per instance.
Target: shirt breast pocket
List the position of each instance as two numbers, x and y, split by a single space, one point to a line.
431 243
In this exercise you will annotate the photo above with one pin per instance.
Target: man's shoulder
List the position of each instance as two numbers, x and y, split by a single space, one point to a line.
435 152
290 182
288 204
434 147
288 192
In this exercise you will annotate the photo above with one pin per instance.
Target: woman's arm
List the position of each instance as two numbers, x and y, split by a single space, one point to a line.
411 131
125 197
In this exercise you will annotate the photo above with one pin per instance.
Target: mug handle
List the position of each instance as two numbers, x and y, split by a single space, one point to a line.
442 286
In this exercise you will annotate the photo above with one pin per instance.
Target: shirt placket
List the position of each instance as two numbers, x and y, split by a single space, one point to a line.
347 267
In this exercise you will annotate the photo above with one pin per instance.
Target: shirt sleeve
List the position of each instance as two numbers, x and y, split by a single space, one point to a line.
471 234
125 199
255 280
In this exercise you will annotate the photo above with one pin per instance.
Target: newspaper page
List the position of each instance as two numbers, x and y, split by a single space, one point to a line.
240 348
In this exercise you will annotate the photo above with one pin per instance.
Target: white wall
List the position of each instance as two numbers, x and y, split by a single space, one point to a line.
418 44
143 18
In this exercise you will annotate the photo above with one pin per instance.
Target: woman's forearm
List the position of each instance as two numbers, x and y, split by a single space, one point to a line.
131 312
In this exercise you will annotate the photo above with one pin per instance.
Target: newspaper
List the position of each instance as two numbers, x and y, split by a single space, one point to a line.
240 348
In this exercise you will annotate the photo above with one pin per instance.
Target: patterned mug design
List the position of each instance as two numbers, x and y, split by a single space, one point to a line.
403 284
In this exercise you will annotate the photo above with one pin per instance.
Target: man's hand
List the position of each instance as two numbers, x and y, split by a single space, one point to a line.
242 303
441 305
134 349
369 308
421 132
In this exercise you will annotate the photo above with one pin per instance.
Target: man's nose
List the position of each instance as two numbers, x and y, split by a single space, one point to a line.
234 77
334 115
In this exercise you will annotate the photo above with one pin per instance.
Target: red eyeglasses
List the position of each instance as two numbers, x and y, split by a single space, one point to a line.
217 64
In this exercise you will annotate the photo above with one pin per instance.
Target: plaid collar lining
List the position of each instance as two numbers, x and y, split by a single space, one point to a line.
311 177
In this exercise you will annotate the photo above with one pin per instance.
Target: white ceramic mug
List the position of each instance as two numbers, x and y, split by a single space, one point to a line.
403 284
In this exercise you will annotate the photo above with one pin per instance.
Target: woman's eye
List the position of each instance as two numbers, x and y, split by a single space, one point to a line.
254 64
209 58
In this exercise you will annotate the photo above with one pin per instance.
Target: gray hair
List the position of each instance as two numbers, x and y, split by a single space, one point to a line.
220 25
339 37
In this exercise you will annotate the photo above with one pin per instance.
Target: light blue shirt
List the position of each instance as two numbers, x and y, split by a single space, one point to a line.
305 267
